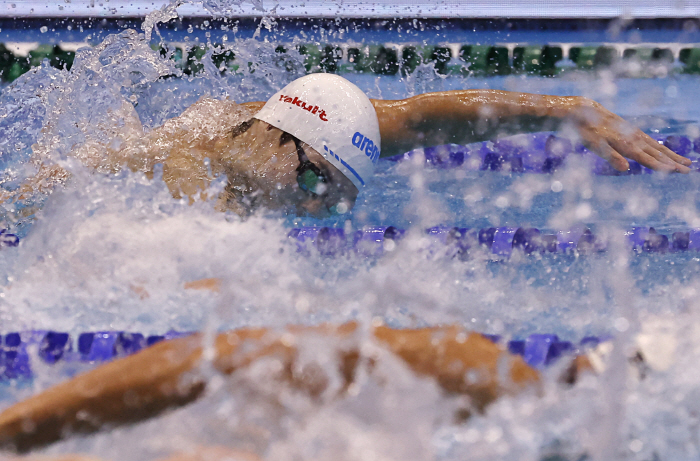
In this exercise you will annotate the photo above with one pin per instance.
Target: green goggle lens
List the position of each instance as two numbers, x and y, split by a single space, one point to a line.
309 177
308 180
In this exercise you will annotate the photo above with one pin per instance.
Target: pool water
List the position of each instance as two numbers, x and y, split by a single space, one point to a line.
113 251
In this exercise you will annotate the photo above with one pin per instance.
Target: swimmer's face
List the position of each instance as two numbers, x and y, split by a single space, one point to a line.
272 157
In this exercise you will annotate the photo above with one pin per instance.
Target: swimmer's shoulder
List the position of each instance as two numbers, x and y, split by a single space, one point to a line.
212 115
228 105
253 106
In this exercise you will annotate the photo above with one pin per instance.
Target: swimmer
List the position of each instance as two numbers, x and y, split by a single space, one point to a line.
174 373
312 146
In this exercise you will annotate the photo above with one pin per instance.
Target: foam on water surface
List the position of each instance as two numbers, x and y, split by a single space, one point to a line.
110 249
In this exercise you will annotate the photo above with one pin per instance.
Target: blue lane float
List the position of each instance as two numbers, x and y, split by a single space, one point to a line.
14 358
53 346
543 152
20 349
8 239
499 241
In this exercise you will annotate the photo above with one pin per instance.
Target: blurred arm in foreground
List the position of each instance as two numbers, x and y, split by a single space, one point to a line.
168 374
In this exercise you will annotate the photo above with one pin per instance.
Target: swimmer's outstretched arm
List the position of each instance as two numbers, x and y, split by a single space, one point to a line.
473 115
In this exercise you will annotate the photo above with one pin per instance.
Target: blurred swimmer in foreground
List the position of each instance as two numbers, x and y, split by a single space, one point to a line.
313 145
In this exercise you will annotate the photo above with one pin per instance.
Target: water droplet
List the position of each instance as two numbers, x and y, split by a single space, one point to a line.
621 324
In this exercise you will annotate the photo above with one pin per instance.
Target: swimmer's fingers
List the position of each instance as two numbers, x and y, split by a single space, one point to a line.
640 152
636 147
613 146
621 151
597 143
673 165
613 138
666 151
652 159
632 143
613 157
631 139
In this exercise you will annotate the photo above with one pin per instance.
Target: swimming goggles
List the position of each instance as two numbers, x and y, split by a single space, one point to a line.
310 178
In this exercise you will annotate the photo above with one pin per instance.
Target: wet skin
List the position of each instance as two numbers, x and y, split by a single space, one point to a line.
474 115
262 172
169 374
259 162
466 116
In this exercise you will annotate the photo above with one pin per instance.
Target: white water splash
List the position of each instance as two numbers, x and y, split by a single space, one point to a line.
113 250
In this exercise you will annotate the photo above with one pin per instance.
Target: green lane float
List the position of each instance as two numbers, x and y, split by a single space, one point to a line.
449 59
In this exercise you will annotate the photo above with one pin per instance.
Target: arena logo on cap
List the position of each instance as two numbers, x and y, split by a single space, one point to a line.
362 142
299 103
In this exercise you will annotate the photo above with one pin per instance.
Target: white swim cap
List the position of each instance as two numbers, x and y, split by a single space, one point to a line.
333 116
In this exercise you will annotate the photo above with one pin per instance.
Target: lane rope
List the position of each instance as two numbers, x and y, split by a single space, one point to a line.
542 152
500 241
20 350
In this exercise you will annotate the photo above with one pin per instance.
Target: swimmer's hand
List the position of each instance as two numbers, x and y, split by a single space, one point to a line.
615 140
